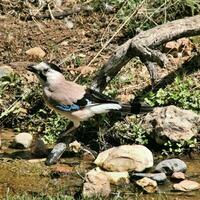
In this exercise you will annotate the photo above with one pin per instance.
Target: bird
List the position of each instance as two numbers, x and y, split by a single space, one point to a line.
77 102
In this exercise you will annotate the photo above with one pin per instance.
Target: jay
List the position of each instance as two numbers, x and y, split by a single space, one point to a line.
74 101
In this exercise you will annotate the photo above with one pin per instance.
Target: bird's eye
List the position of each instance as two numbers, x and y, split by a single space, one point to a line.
45 70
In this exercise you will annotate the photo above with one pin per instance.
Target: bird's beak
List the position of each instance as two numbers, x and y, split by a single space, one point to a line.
31 68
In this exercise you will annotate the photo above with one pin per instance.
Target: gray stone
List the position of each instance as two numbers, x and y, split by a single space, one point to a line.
158 177
125 158
169 166
56 153
171 123
23 140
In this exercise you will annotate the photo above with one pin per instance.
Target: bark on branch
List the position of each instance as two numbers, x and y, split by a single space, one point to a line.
144 46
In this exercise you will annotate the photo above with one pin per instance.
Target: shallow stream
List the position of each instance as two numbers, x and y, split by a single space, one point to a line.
21 173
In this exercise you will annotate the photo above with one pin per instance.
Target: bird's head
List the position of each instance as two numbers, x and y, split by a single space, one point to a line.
45 71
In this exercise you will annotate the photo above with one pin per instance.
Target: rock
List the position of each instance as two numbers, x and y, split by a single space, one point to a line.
36 52
125 158
5 70
68 23
148 185
39 148
171 123
170 166
23 140
186 185
56 153
75 146
178 176
118 178
115 178
97 184
158 177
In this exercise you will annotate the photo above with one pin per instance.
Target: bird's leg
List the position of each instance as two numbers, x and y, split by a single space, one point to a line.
62 144
65 133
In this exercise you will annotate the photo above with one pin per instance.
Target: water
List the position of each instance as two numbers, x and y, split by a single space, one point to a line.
21 173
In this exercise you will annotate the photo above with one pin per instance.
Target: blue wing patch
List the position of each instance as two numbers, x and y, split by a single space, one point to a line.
68 107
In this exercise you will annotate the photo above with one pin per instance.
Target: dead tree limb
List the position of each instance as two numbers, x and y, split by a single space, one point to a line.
144 46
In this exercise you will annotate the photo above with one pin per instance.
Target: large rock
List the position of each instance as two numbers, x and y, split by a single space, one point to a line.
23 140
125 158
186 185
171 123
169 166
97 184
148 185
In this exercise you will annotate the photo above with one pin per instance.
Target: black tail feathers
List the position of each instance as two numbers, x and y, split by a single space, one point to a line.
136 107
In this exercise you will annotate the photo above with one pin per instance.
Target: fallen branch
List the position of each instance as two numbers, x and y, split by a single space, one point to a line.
143 45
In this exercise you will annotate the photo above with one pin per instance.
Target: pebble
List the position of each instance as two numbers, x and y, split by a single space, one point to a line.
148 185
23 140
68 23
178 176
37 52
75 146
186 185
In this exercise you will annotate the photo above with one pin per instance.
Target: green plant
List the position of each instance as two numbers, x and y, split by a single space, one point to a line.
53 127
183 92
130 131
179 147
